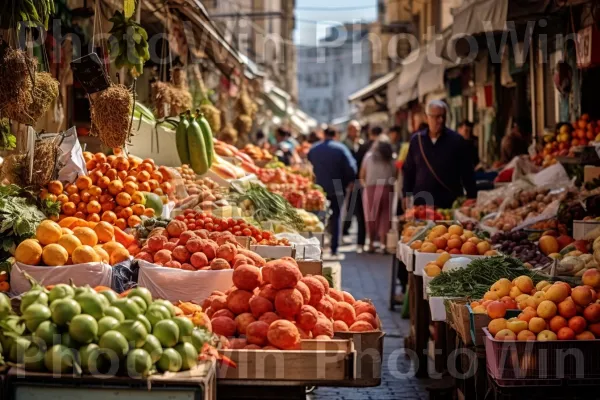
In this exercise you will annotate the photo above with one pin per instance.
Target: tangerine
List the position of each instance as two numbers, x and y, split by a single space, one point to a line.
158 192
121 223
111 159
115 187
138 198
157 175
146 166
71 189
100 157
85 196
93 207
74 198
103 182
153 184
122 175
83 182
121 163
134 221
143 176
87 156
123 199
108 206
69 208
55 187
111 174
130 187
95 176
104 167
131 178
90 165
166 187
149 212
79 215
144 187
138 209
93 217
109 216
126 212
95 191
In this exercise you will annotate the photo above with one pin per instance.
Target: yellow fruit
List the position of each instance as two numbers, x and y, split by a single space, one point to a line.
110 247
28 252
104 257
85 254
66 231
118 255
55 255
86 235
432 270
48 232
69 242
104 231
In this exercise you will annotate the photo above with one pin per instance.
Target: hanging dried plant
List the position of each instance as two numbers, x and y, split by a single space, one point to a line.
181 101
44 163
16 71
179 78
161 98
111 115
243 124
11 170
243 105
45 91
229 134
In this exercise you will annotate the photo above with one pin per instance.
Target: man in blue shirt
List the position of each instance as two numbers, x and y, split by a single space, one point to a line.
439 166
335 170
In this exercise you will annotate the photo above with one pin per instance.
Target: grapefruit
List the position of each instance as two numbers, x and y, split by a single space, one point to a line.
128 307
186 327
48 332
115 313
29 252
157 312
115 344
139 363
59 359
35 315
83 328
61 291
63 311
189 355
153 347
134 332
170 361
106 324
167 332
91 304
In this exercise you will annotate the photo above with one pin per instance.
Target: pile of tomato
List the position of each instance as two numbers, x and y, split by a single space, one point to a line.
196 220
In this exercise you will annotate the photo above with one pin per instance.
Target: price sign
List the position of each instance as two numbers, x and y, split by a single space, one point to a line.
89 71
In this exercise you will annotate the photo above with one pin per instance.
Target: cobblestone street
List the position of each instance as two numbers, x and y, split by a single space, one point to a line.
368 276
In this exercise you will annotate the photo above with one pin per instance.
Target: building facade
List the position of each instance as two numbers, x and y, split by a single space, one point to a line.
332 71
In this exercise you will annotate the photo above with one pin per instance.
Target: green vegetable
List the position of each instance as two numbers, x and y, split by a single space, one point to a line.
128 44
197 147
181 139
208 137
270 207
476 279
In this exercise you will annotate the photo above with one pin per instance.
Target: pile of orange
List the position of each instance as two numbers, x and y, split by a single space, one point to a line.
56 246
112 191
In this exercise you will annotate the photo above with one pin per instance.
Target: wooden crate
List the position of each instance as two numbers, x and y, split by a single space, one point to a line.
274 251
198 383
311 267
317 361
460 320
369 356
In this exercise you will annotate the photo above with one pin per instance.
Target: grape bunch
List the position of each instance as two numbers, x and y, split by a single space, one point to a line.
518 245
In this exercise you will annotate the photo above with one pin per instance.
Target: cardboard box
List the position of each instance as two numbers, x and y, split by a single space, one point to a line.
369 356
244 241
274 251
311 267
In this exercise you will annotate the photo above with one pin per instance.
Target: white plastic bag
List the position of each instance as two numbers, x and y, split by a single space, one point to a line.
306 248
181 285
93 274
71 158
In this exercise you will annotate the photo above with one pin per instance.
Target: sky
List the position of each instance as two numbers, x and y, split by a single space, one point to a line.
311 24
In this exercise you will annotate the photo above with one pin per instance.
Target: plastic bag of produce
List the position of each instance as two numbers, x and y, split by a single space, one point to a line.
306 248
175 284
125 275
71 157
93 274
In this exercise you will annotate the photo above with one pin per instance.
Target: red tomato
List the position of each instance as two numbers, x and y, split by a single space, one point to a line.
254 230
199 223
243 225
180 217
202 215
237 233
258 237
191 226
266 235
209 226
208 220
231 222
246 232
188 211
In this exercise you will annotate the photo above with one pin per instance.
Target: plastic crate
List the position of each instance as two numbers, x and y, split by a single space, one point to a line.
512 363
480 321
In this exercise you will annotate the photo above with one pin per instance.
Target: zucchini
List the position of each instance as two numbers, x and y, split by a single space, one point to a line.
195 139
181 140
208 137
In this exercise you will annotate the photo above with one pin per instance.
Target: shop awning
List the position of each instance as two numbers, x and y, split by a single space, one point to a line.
409 77
372 88
479 16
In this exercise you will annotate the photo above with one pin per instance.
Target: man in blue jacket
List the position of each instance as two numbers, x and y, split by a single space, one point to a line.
439 166
335 170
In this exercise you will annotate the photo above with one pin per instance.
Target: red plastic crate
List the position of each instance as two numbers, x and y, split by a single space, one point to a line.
511 363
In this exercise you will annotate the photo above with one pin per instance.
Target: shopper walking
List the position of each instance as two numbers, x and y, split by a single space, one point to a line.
465 129
377 176
517 142
335 170
354 204
438 167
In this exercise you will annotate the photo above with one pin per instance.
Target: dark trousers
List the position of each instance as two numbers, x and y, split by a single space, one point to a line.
334 221
354 208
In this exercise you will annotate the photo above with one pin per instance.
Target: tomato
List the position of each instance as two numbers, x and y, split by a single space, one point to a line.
243 225
180 217
188 211
200 223
266 235
208 226
254 230
208 220
237 233
202 215
191 226
246 232
258 237
231 222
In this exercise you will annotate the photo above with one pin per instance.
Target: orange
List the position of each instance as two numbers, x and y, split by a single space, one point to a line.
131 178
49 196
138 198
71 189
122 175
55 255
153 184
123 199
48 232
83 182
144 187
86 235
130 188
111 246
103 182
102 254
62 198
100 157
134 221
166 187
143 176
66 231
121 163
157 175
81 207
108 206
149 212
126 212
109 216
134 161
146 166
115 187
104 231
93 217
111 159
79 214
95 176
85 254
90 165
159 192
87 156
85 196
104 167
69 208
70 242
111 174
95 191
75 198
94 198
121 223
55 187
138 209
118 210
119 255
93 207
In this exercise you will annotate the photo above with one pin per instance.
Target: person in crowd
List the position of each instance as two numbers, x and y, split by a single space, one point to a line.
465 129
313 137
395 135
286 147
377 176
354 204
334 169
438 166
517 141
261 139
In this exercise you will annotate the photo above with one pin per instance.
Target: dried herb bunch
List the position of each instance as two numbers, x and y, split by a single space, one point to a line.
111 115
16 72
45 91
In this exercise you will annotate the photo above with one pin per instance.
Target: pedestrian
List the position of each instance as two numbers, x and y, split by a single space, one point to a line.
334 169
465 129
377 177
354 206
395 135
438 166
286 147
516 143
353 140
